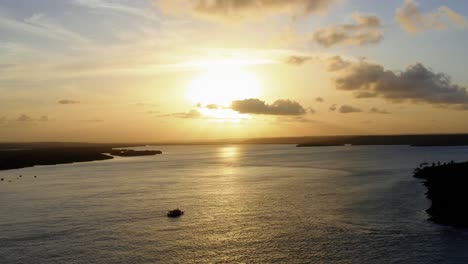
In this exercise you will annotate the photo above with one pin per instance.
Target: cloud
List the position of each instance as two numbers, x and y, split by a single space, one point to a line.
117 7
416 83
297 60
319 99
92 120
213 106
68 101
365 29
295 119
258 107
414 21
43 119
233 10
192 114
40 25
24 118
347 109
376 110
336 63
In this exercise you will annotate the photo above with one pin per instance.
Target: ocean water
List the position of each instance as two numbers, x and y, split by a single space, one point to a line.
242 203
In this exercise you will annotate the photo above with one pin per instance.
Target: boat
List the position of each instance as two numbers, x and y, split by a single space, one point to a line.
175 213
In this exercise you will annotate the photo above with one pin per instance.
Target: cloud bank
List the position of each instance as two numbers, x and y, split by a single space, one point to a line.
416 83
258 107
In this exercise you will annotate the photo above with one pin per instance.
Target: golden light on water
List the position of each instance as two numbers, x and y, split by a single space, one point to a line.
229 152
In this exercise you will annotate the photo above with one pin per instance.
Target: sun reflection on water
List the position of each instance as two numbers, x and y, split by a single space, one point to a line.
229 153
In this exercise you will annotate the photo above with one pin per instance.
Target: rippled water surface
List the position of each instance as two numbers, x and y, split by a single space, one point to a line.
250 204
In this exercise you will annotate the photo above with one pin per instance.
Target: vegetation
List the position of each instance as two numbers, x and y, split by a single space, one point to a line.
446 185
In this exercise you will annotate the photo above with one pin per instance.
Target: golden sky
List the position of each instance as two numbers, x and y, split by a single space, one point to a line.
182 70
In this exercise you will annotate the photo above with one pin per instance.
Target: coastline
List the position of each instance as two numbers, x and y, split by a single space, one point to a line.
22 158
446 184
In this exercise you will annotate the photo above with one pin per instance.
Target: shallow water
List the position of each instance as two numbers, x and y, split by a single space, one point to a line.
242 203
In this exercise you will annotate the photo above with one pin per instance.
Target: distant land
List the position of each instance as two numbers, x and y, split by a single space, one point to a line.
410 140
22 155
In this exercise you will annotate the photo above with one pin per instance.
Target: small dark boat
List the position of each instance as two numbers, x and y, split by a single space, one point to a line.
175 213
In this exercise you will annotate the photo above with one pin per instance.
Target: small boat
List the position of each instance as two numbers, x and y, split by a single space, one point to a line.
175 213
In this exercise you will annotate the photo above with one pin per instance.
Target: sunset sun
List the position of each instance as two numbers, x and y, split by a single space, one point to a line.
220 86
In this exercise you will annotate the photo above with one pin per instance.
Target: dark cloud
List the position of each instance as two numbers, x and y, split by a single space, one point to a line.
365 29
319 99
242 9
416 83
68 101
347 109
413 20
279 107
376 110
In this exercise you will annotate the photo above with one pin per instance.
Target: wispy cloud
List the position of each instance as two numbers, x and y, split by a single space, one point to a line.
192 114
113 6
42 26
26 119
234 10
68 102
376 110
413 20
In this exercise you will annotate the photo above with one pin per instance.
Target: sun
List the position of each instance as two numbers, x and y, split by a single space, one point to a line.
220 85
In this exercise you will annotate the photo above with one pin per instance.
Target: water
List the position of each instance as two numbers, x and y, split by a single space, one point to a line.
248 204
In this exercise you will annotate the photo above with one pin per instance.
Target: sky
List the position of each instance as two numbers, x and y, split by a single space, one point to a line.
185 70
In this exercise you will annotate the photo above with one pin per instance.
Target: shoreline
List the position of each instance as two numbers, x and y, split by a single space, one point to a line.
446 184
25 158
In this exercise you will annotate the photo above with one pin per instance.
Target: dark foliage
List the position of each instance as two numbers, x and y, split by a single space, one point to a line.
446 185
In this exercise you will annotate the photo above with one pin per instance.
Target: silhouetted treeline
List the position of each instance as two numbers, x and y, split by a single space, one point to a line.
411 140
133 153
447 189
16 158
